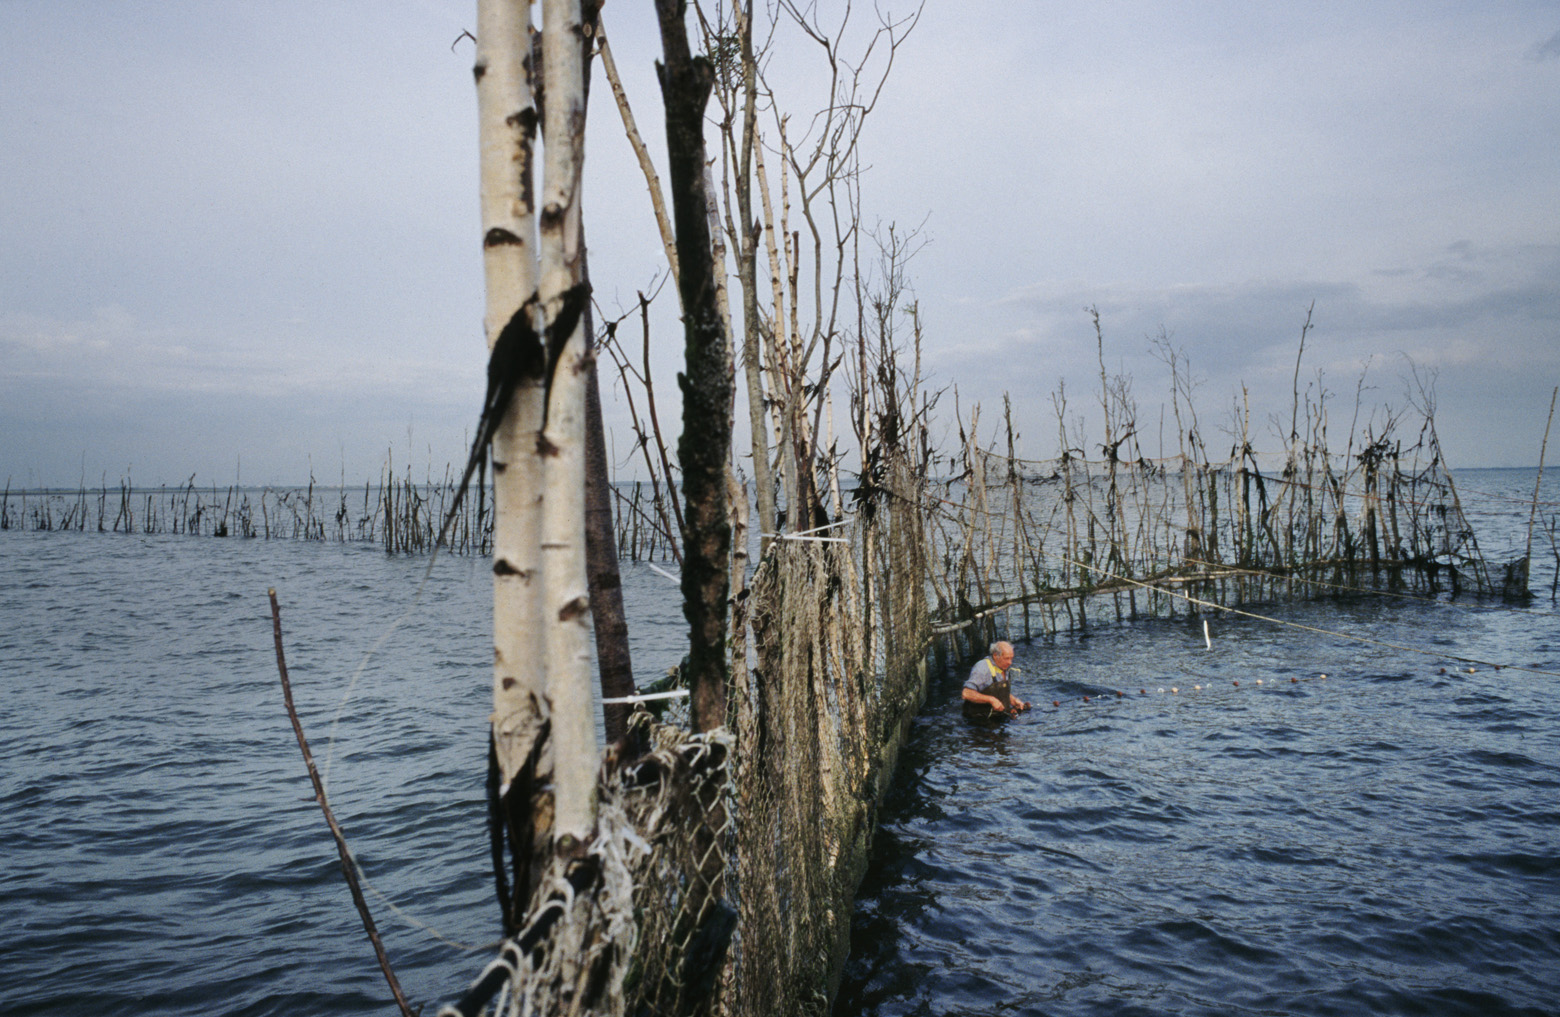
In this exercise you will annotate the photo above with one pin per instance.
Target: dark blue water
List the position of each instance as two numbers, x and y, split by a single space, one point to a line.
1384 840
161 850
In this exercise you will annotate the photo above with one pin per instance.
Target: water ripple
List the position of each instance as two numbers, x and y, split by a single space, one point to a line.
1383 842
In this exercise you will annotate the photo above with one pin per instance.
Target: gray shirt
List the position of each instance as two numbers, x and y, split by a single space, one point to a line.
983 675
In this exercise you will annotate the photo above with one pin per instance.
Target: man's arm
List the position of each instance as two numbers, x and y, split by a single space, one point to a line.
980 697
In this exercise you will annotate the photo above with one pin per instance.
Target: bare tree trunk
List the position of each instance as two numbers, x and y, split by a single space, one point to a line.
747 272
564 295
613 658
652 181
705 446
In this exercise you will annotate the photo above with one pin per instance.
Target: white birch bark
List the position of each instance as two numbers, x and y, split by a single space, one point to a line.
507 126
566 613
780 375
777 341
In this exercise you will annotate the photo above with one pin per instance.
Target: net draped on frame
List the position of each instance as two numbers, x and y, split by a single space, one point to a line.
722 878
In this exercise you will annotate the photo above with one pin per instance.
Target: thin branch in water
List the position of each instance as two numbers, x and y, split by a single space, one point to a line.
348 866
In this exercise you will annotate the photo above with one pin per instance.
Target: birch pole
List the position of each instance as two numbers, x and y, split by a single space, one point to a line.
563 295
507 129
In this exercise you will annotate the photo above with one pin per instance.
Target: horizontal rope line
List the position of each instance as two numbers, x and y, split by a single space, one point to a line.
647 697
1212 605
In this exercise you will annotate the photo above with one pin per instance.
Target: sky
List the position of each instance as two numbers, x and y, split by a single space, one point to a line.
239 242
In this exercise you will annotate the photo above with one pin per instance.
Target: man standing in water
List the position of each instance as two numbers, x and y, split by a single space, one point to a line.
988 692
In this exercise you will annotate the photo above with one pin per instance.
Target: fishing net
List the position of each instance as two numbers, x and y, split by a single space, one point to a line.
636 922
1038 546
723 872
725 864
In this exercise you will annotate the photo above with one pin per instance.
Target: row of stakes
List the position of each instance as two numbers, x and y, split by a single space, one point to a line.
1175 689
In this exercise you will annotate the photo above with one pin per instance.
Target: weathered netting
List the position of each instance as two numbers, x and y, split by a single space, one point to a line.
799 778
742 852
841 632
680 796
723 875
1031 545
637 922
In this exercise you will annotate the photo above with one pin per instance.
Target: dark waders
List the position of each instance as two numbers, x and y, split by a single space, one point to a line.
1003 692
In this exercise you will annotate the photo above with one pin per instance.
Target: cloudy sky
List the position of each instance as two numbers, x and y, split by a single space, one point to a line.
240 240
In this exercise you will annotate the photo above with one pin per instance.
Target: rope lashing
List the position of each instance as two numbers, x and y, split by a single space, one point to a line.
813 534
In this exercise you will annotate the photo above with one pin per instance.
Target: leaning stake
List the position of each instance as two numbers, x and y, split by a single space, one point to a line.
1543 450
348 867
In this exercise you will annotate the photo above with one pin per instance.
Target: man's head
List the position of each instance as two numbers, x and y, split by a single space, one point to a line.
1002 654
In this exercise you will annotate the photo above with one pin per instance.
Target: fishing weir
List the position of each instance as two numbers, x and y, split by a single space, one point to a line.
728 860
722 877
706 863
725 861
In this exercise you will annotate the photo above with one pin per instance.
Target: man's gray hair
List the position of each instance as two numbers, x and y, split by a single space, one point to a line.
1000 644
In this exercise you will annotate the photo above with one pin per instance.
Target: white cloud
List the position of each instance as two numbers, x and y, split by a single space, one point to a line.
113 350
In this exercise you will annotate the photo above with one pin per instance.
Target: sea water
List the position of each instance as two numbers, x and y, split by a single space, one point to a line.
1195 822
1384 840
160 849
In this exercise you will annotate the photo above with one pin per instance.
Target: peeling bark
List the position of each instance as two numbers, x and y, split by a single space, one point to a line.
521 760
563 295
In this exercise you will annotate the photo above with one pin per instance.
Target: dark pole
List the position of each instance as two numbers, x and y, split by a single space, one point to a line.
707 385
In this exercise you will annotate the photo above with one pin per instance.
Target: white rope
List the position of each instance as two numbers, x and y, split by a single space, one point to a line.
844 521
1215 606
647 697
808 534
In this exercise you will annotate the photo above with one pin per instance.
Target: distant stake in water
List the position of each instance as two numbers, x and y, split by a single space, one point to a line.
1207 640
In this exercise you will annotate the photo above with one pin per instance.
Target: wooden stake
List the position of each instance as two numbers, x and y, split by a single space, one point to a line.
348 866
1543 449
